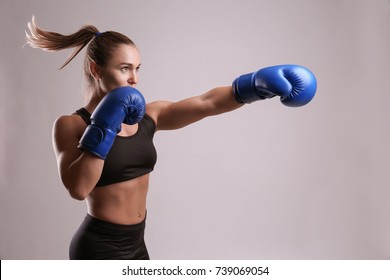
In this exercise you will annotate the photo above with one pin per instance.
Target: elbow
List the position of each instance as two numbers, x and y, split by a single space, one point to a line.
77 195
77 192
78 185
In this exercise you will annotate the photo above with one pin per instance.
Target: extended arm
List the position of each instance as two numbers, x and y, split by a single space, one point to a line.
295 85
174 115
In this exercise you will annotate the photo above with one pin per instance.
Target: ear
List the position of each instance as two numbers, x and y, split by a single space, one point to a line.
95 70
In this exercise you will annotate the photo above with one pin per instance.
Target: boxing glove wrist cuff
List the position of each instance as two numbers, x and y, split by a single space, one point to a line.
97 141
245 91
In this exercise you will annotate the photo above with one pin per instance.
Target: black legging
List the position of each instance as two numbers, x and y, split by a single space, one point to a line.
100 240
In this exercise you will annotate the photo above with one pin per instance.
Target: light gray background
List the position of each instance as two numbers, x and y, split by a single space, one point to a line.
263 182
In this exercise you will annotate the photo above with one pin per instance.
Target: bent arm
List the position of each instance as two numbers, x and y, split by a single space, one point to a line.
79 171
174 115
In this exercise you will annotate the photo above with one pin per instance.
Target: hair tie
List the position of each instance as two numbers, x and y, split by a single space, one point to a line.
97 34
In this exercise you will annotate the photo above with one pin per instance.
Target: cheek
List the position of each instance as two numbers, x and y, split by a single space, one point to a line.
111 82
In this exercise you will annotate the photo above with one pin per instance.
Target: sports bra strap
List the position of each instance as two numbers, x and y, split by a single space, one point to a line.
84 114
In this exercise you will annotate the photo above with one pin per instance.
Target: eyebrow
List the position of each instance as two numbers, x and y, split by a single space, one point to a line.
129 64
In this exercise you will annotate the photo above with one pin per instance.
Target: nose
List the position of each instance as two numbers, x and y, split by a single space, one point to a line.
133 79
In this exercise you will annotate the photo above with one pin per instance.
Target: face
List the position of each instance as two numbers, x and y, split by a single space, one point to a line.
121 70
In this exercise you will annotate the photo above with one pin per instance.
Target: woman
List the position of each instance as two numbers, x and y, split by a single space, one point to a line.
112 173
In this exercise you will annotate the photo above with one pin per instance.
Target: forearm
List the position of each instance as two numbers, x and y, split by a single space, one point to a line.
220 100
81 176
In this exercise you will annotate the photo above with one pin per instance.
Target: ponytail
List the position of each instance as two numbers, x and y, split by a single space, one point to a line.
52 41
101 46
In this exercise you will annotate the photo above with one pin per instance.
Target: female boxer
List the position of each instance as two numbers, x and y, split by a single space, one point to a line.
105 149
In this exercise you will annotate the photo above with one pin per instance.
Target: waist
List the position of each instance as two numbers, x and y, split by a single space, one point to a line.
120 203
113 227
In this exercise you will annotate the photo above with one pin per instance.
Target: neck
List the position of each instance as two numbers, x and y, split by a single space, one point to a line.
95 98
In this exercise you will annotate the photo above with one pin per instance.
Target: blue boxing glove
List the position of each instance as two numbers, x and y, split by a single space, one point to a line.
296 85
122 105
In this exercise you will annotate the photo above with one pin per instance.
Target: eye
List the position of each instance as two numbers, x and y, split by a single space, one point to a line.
138 68
125 68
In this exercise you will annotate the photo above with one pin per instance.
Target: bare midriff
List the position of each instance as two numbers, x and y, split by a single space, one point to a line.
120 203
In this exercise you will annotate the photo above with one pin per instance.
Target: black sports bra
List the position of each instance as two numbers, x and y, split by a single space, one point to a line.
130 156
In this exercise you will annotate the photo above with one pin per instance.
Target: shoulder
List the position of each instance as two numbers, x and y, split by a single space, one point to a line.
68 128
155 109
69 122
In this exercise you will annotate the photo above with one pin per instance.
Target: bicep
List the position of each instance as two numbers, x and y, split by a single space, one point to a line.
174 115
